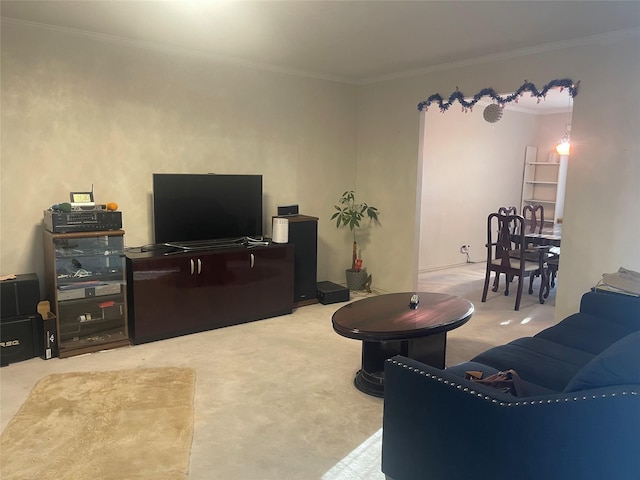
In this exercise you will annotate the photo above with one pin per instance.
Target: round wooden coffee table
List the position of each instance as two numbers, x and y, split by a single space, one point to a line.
387 325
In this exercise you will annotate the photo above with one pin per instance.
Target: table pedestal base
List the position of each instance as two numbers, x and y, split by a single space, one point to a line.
370 378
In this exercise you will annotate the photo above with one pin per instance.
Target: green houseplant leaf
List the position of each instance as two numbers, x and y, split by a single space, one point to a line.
350 213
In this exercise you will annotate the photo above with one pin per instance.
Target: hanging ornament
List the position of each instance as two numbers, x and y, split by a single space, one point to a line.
492 113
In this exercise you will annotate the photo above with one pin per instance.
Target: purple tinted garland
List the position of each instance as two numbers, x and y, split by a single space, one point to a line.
490 92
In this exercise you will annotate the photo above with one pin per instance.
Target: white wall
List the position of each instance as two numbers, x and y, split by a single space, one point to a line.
78 111
549 131
470 168
602 224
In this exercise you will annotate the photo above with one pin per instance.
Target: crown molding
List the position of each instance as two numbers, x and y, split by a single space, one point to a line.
172 50
197 54
521 52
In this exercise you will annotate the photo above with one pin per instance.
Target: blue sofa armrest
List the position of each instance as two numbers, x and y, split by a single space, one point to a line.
437 425
616 307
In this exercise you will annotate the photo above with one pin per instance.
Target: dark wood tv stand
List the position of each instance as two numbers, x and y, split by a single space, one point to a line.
177 293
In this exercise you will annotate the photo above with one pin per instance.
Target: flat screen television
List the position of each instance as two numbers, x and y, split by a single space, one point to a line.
206 207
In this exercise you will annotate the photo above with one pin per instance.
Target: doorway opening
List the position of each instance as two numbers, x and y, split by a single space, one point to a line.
470 167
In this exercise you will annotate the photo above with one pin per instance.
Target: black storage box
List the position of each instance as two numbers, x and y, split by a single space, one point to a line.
329 292
47 336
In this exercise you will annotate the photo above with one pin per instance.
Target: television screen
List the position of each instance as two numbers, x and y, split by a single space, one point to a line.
202 207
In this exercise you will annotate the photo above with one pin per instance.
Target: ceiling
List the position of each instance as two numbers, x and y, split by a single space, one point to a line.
348 41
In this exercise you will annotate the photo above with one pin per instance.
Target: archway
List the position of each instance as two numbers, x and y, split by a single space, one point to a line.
482 161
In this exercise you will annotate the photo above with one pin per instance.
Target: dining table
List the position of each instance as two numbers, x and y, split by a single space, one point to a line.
547 237
551 237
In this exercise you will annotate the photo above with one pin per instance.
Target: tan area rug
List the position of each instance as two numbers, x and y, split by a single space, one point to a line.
128 424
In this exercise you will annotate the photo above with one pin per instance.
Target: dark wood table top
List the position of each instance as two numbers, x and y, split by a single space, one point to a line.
544 238
547 237
389 317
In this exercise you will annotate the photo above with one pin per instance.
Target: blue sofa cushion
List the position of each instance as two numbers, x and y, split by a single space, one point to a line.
586 332
549 365
555 350
617 365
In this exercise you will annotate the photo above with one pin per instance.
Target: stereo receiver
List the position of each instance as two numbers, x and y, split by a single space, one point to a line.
82 221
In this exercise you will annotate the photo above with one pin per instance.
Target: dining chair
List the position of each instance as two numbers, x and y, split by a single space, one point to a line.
553 265
508 211
512 210
533 218
506 254
534 223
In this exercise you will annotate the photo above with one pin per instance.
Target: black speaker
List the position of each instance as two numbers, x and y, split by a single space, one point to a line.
19 339
303 233
19 296
288 210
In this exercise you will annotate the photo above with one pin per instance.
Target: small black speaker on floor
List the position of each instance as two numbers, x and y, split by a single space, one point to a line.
329 292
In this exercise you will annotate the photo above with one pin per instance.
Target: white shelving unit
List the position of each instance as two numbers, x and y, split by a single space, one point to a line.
544 183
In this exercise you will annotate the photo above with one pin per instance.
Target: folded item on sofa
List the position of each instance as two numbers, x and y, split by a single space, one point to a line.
624 280
507 382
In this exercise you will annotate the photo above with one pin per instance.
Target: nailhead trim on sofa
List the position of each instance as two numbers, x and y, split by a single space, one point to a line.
510 404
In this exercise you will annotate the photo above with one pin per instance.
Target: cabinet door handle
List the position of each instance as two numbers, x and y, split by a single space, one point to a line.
253 260
199 266
191 265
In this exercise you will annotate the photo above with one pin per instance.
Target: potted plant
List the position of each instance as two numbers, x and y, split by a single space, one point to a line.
350 214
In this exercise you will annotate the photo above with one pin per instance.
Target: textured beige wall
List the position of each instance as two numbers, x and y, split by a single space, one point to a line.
78 111
601 221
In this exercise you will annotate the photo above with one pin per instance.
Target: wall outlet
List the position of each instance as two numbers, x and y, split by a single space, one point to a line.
465 248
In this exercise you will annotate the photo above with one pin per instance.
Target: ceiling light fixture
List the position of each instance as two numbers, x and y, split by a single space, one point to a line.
564 147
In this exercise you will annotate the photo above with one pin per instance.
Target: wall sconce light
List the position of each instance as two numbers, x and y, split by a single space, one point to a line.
564 147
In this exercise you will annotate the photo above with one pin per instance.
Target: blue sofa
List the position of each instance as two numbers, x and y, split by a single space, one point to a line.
579 418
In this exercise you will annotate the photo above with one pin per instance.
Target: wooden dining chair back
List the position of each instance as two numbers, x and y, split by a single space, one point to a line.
533 224
508 211
533 218
506 254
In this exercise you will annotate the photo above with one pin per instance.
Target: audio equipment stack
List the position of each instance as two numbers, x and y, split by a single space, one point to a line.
69 218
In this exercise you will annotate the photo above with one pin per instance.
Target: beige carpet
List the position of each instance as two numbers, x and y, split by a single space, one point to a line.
126 424
364 463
